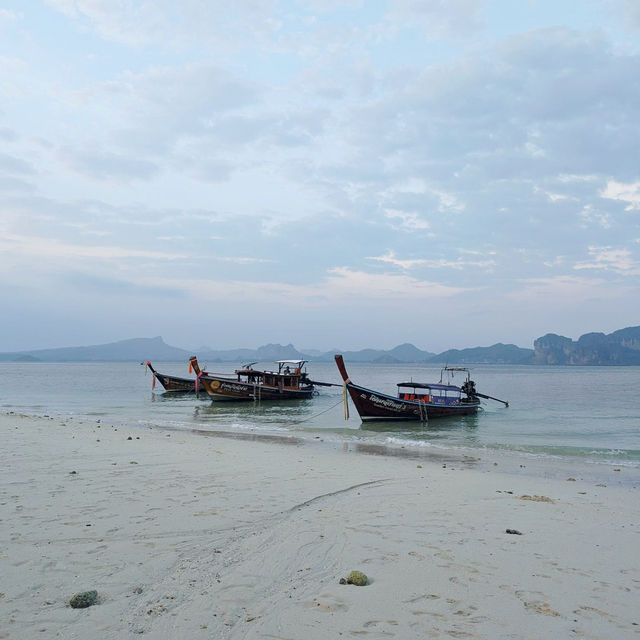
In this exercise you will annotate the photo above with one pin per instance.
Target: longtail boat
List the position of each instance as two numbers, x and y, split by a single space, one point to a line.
289 382
416 400
171 383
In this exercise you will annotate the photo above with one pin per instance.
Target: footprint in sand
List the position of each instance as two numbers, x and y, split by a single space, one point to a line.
532 601
541 607
328 604
426 596
589 611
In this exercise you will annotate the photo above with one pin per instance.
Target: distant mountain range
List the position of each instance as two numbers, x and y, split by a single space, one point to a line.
621 347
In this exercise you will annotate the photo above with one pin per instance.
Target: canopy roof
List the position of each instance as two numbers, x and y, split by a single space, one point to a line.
298 363
429 385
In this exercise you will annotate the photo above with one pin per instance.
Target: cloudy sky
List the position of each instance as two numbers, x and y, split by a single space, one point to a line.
331 173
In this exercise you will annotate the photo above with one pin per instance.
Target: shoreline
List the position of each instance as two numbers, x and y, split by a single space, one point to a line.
515 459
191 536
500 460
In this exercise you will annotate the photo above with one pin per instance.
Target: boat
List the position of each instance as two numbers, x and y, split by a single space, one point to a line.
289 382
416 400
174 384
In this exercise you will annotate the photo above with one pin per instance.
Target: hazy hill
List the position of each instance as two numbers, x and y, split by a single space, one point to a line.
266 353
621 347
139 349
402 353
496 354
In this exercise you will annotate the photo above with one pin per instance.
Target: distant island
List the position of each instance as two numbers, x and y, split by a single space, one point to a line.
621 347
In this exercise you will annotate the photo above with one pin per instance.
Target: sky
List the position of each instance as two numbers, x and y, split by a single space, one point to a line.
328 173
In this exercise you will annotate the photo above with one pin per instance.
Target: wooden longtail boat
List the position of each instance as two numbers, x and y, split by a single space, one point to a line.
415 400
174 384
289 382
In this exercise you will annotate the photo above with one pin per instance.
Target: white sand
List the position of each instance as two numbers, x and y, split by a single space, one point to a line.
189 536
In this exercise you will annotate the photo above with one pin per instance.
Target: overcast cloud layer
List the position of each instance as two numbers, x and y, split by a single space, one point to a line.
328 173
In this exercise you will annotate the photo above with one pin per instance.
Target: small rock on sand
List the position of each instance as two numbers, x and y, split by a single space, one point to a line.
84 599
358 578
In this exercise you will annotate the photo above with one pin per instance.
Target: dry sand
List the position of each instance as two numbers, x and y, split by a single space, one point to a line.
189 536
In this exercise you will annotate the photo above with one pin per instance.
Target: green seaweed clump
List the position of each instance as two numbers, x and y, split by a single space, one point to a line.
83 599
358 578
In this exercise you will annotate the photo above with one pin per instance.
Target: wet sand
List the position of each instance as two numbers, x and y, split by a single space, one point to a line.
187 536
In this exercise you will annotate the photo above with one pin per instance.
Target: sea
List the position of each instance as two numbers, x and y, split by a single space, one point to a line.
590 414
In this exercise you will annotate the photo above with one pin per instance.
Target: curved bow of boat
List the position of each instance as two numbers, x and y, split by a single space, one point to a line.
342 369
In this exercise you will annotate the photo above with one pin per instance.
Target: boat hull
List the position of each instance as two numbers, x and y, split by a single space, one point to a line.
174 384
372 405
229 389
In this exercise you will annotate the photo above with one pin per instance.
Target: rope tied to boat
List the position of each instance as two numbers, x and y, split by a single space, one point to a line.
315 415
425 417
200 373
345 400
257 392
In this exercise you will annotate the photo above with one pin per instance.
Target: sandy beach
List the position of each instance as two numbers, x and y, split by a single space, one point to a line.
187 535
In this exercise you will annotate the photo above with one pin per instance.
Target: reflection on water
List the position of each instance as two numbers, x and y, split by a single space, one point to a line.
179 396
286 413
443 426
586 412
253 437
437 455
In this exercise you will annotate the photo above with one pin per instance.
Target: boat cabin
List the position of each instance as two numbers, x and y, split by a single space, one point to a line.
290 375
443 392
432 393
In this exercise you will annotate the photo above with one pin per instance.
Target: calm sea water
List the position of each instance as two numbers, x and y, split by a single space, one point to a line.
591 413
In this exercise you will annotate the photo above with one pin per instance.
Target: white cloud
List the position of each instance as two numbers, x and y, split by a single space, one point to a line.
390 258
610 259
630 11
9 16
556 197
562 291
438 18
412 185
340 286
459 264
13 165
591 215
407 220
623 192
571 178
104 165
322 130
243 260
31 247
332 5
175 24
347 283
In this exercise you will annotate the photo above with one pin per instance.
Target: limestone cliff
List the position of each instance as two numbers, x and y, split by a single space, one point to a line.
621 347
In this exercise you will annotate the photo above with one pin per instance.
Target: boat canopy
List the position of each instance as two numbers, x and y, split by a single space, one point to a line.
297 363
429 385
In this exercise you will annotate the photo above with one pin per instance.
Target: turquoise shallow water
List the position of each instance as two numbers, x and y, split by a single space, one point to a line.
590 413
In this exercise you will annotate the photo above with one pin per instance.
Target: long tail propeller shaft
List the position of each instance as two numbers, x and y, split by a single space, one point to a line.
482 395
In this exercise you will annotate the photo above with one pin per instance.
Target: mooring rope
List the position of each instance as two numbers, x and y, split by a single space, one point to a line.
317 414
345 400
425 417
